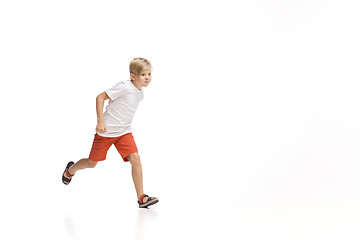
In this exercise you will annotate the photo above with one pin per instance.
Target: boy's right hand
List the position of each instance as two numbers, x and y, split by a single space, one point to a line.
101 127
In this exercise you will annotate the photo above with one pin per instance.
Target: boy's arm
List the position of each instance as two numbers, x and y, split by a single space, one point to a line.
100 99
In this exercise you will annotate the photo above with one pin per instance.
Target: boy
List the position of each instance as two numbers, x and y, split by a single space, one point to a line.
114 127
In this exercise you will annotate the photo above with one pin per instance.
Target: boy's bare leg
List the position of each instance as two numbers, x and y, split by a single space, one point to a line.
137 176
81 164
136 171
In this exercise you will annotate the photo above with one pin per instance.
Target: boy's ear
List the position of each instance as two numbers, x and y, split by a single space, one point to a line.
132 75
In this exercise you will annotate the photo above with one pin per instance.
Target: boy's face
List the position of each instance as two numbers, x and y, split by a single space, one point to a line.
142 79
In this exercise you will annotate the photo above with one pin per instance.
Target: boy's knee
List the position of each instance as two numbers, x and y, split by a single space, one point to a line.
91 164
134 159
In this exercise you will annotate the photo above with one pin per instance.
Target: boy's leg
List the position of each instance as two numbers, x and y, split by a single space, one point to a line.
81 164
137 176
126 146
136 171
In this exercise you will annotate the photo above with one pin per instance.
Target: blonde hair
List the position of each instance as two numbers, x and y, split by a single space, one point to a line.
139 64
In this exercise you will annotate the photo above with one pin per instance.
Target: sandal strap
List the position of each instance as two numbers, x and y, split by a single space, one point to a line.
142 197
68 174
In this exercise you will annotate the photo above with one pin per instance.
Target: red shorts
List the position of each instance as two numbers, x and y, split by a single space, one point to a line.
124 144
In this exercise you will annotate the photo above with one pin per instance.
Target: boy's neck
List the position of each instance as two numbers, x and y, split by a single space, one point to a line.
133 82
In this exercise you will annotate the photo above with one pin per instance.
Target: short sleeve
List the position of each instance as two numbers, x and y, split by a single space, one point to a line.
116 91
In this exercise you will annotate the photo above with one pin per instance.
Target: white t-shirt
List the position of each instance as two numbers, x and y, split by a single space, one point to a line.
120 111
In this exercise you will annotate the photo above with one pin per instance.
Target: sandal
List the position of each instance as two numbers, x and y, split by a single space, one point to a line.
66 180
150 201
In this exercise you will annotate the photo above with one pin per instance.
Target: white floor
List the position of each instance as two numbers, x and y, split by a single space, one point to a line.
101 206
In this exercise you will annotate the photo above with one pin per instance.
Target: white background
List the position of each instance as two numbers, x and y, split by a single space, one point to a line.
249 129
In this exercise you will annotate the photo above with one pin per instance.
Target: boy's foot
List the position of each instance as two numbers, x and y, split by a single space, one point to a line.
66 177
146 201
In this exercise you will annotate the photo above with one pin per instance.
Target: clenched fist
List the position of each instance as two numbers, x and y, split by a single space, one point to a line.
101 127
